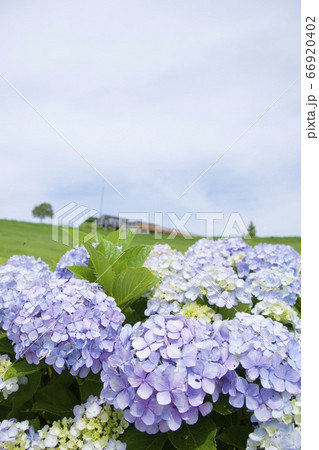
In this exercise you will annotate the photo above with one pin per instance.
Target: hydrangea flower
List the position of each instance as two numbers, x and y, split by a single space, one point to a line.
71 323
95 426
278 310
10 385
269 256
162 370
163 260
283 433
13 434
270 355
201 312
78 256
274 282
203 273
18 273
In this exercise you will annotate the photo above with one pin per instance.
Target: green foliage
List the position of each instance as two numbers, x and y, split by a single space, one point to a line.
251 229
5 345
131 284
223 407
235 436
43 210
135 440
20 368
118 269
230 313
200 436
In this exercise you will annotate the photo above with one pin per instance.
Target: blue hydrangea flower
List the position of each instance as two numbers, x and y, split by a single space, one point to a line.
71 323
18 273
78 256
161 371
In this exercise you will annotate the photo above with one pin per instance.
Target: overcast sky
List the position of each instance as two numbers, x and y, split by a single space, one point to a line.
151 93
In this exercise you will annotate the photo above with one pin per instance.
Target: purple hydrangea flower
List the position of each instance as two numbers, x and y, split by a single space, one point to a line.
78 256
71 323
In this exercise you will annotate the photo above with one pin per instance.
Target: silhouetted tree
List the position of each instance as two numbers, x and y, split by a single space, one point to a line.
42 211
252 229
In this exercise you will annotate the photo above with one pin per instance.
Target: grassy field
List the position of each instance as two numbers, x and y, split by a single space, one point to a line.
25 238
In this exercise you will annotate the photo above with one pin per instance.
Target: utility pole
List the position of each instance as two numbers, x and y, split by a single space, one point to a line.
101 204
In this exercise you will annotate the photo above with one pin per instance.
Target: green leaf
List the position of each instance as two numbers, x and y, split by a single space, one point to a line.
230 313
135 440
120 267
91 385
20 368
105 274
200 436
135 312
24 394
6 346
223 407
2 260
132 284
35 423
236 436
55 399
110 251
84 273
116 238
136 256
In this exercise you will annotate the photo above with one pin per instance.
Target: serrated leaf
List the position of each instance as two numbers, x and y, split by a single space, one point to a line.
135 440
132 284
223 407
20 368
236 436
116 238
200 436
105 274
83 273
136 256
120 267
109 250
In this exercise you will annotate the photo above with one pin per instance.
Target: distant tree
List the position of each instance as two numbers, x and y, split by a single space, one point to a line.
42 211
252 229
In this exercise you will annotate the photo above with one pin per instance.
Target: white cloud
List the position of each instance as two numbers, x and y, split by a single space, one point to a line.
152 93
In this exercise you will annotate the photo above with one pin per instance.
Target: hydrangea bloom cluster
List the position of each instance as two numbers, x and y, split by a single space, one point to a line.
283 433
223 273
78 256
204 272
274 282
265 256
270 355
201 312
94 426
162 370
163 260
278 310
13 434
18 273
71 323
12 384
